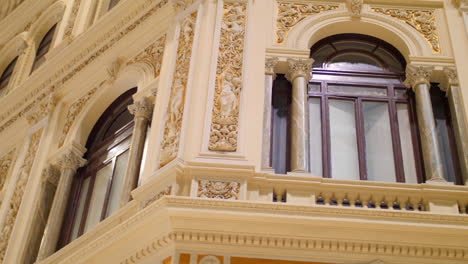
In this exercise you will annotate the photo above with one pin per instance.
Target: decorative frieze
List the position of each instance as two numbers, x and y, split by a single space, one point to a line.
17 197
290 14
218 189
5 164
152 56
228 85
423 21
175 111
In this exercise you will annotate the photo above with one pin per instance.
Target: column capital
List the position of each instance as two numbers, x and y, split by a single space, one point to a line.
299 68
451 76
270 63
70 160
418 74
141 108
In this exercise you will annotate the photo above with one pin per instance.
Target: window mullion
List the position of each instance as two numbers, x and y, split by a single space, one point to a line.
397 154
109 188
361 139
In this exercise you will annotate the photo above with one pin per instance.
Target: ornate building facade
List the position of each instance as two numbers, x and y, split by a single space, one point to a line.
234 131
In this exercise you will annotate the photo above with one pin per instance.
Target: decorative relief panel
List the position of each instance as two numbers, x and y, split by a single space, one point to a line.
218 190
289 14
423 21
73 112
175 110
152 56
228 86
5 164
17 197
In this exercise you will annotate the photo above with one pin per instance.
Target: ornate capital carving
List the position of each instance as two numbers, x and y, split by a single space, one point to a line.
270 64
70 160
355 7
218 189
299 68
451 76
417 74
141 108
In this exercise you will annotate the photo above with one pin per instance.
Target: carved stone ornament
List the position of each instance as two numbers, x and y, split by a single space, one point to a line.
141 108
270 64
218 190
166 191
355 7
175 110
289 14
70 160
68 34
152 56
451 76
210 260
5 164
180 5
423 21
299 68
51 175
17 197
417 74
114 69
42 109
228 85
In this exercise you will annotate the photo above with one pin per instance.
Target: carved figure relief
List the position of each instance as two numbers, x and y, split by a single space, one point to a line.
5 164
218 189
423 21
17 197
228 86
171 138
289 14
152 56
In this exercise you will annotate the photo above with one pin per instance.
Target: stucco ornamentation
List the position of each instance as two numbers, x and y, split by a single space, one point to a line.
115 68
5 164
218 189
228 86
289 14
417 74
70 160
17 197
166 191
141 108
451 75
175 110
355 7
210 260
68 35
270 64
42 109
299 68
423 21
73 112
152 56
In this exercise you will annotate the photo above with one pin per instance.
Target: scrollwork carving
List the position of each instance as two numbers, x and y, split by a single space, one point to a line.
423 21
290 14
417 74
152 56
218 189
228 86
175 111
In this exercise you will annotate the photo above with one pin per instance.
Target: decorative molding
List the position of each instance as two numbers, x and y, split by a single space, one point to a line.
210 260
166 191
418 74
5 164
152 56
175 111
68 34
270 64
43 109
299 68
73 112
141 108
218 190
424 21
17 197
355 7
290 14
228 86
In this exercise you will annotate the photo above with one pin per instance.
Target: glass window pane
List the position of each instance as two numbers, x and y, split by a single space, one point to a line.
117 182
344 152
99 196
441 119
79 211
355 90
379 145
406 139
315 136
314 87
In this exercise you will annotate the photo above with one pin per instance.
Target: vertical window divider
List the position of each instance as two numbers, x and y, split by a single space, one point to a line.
361 141
327 169
394 126
108 190
89 195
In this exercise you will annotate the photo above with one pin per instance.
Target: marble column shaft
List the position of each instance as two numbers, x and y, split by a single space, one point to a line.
68 165
299 75
142 111
270 64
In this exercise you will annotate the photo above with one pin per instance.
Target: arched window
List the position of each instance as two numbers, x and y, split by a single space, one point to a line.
6 75
362 124
98 185
43 48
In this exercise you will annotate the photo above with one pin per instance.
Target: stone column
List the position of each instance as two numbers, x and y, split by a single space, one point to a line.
142 110
459 121
417 77
68 163
270 64
299 75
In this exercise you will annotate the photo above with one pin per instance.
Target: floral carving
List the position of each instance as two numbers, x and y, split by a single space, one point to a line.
289 14
152 56
73 112
422 20
451 75
175 111
218 190
417 74
166 191
355 6
17 197
223 136
5 164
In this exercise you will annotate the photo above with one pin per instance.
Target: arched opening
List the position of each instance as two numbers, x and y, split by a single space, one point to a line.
6 75
43 48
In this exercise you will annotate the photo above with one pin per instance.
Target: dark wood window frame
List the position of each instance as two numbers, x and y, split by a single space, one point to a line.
43 48
7 73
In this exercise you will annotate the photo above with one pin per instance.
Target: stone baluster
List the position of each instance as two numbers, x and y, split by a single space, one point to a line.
142 110
68 163
458 118
299 75
417 78
270 75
